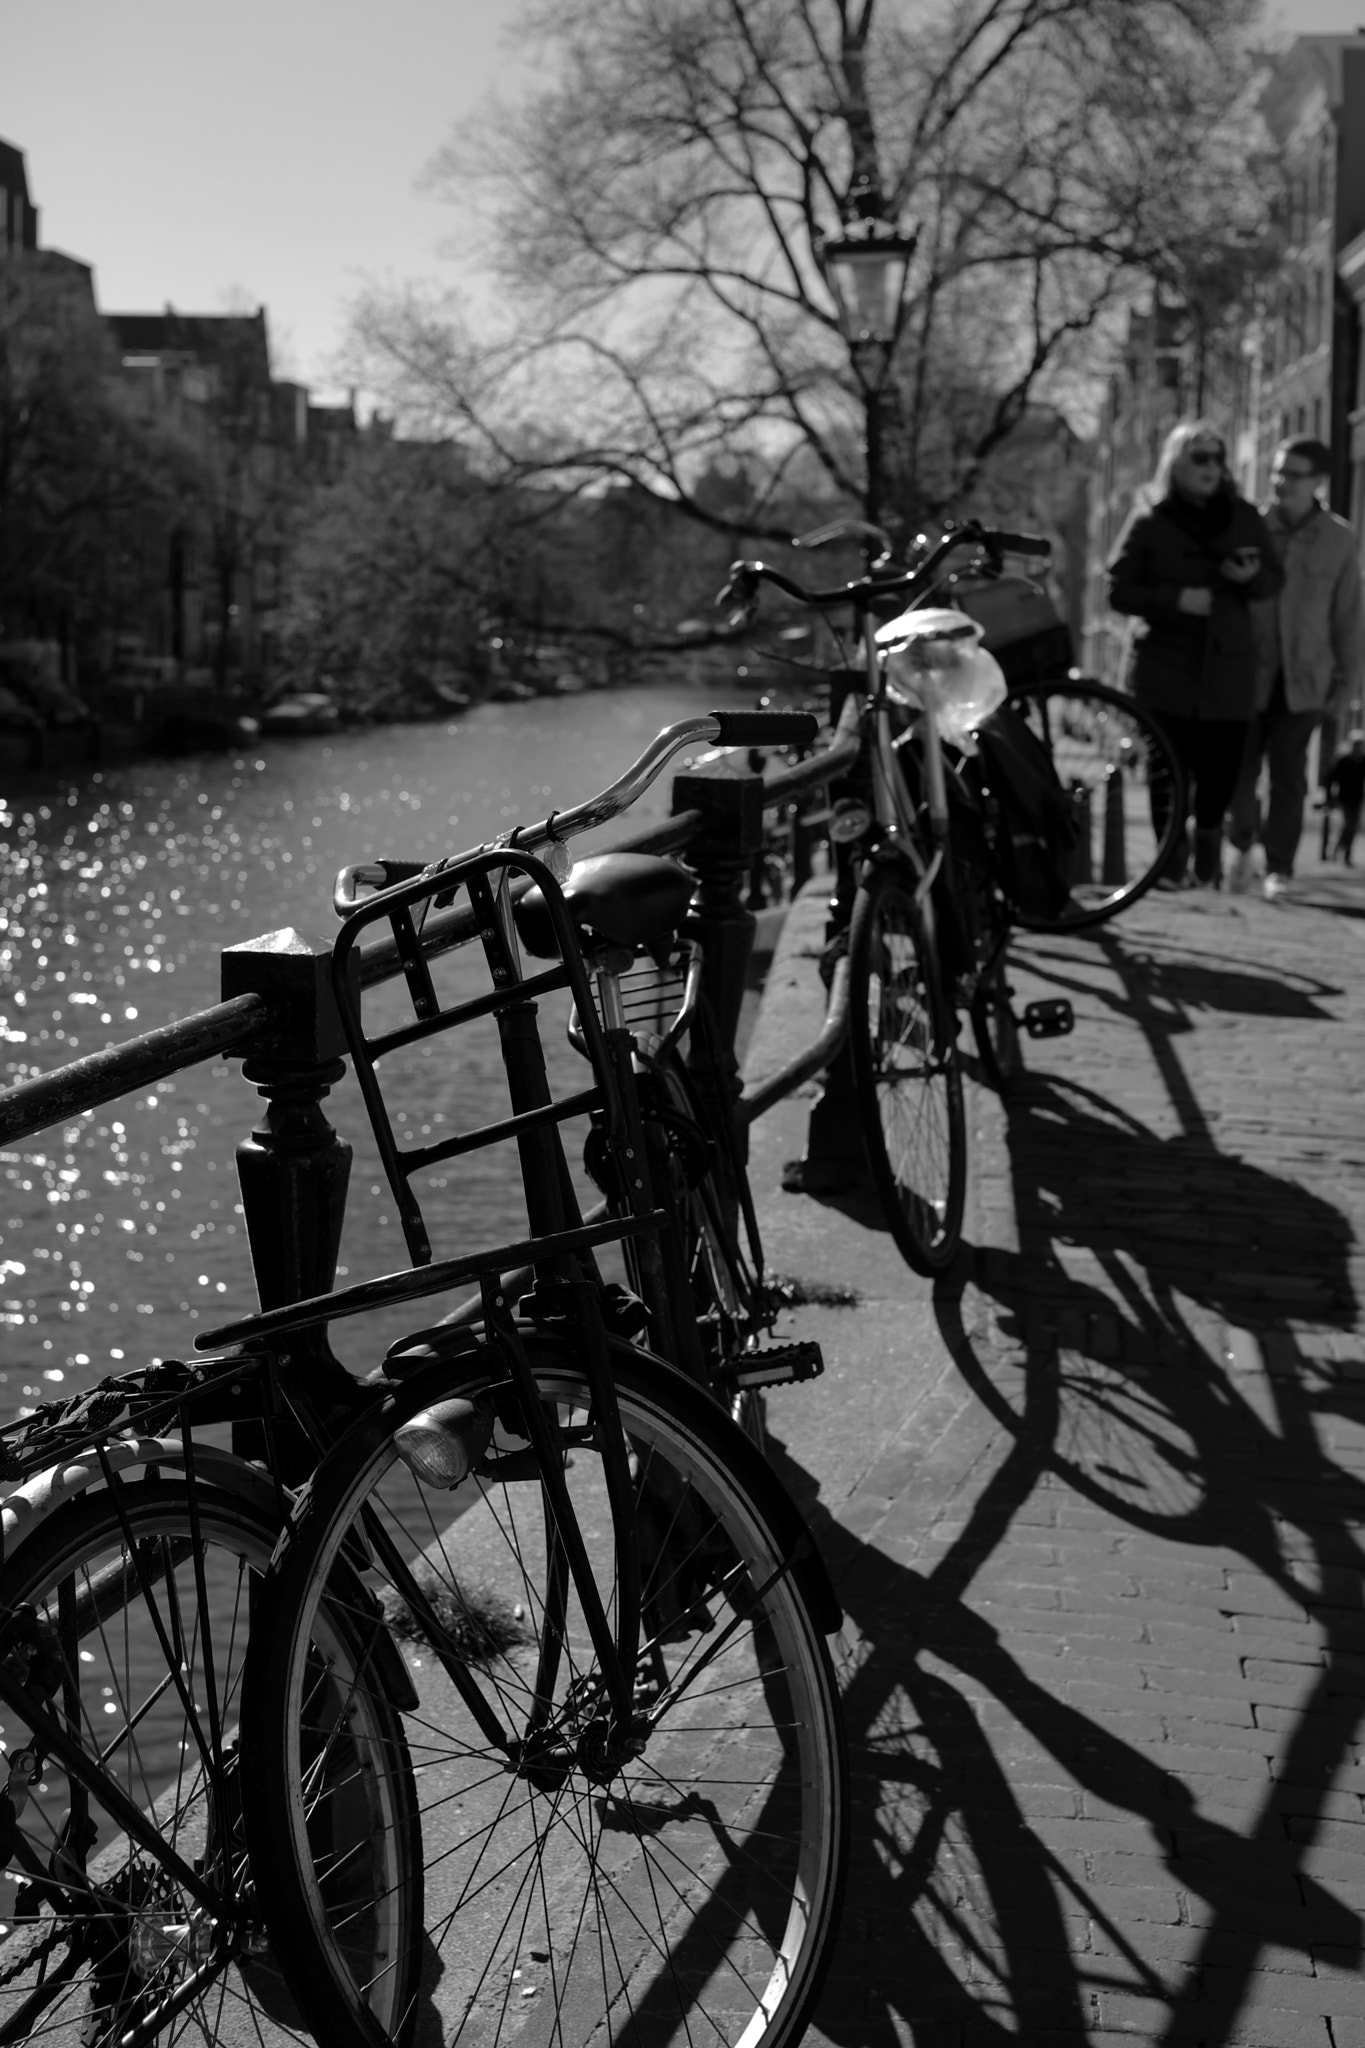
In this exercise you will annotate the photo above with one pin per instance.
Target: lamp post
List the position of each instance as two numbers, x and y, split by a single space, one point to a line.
866 267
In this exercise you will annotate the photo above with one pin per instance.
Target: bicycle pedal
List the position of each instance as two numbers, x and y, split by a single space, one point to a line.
777 1365
1051 1018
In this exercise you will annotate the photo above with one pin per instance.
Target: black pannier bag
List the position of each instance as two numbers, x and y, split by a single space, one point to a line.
1040 825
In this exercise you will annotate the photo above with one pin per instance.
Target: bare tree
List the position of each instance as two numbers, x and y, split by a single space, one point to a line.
659 206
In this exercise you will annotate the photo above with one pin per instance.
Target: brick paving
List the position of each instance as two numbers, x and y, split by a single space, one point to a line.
1096 1503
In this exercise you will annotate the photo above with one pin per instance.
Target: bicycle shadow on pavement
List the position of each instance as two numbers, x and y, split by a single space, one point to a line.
961 1921
1095 1344
1187 982
1152 1306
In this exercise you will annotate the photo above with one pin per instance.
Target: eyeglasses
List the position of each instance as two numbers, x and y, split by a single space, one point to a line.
1293 476
1204 458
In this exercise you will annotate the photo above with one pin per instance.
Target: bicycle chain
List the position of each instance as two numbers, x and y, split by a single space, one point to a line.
33 1949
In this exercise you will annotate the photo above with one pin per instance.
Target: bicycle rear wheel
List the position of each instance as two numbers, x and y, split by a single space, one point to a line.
140 1598
902 1038
725 1295
1117 761
680 1884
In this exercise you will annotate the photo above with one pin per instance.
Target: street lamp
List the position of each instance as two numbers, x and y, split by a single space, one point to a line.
866 267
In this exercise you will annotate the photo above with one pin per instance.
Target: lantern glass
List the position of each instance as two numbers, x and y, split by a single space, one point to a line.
867 277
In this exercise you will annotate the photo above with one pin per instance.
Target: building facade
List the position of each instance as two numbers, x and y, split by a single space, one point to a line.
1286 360
225 450
1314 106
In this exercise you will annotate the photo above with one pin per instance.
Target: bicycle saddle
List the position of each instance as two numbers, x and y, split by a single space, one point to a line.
624 899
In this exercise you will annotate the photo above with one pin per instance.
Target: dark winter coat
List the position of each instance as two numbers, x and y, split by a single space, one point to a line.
1193 667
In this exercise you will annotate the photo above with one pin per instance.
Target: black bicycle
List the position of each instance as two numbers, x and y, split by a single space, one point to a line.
533 1697
928 886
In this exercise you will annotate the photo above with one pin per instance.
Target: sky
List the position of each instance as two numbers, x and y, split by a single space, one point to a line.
270 151
259 152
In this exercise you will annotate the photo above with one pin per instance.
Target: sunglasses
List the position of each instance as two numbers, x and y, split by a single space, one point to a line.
1293 476
1204 459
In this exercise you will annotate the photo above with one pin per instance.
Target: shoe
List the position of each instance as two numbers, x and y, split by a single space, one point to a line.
1242 873
1277 888
1208 859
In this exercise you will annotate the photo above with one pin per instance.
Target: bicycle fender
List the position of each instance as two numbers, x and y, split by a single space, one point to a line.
703 1414
41 1496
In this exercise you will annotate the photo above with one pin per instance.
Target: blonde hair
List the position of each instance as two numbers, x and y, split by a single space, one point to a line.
1173 447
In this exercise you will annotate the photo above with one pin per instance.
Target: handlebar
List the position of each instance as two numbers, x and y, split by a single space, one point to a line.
720 728
741 588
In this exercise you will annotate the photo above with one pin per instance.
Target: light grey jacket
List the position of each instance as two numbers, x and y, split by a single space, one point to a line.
1316 626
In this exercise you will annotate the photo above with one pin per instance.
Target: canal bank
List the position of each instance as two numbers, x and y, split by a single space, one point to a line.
1094 1504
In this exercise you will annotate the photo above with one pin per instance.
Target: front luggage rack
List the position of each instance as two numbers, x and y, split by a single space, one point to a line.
510 999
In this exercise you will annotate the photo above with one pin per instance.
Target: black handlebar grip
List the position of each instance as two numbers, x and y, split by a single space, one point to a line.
1020 544
766 728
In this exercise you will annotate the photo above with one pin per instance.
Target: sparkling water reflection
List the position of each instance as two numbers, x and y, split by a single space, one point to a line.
122 1232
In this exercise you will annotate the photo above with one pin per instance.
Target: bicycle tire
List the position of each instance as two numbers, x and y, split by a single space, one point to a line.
1089 730
703 1877
903 1044
122 1940
996 1028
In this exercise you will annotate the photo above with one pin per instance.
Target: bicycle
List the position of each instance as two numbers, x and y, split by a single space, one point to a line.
928 916
129 1569
641 1722
709 1306
666 1612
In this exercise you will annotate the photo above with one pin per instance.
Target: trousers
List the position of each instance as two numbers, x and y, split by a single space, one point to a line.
1210 751
1280 739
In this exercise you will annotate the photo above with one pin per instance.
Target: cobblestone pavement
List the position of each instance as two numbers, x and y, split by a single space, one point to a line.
1095 1506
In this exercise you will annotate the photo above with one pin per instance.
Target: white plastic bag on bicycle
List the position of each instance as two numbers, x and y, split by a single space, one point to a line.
937 655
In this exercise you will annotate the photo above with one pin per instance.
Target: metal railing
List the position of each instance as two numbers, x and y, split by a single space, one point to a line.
279 1016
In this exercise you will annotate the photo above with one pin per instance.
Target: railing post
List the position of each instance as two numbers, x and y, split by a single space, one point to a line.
1115 868
294 1169
720 854
1081 867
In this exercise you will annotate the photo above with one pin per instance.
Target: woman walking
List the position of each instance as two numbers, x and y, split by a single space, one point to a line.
1188 563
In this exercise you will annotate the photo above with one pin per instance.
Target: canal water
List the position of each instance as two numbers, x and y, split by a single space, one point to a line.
121 1233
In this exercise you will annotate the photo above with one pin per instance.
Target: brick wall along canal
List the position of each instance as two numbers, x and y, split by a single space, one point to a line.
121 1233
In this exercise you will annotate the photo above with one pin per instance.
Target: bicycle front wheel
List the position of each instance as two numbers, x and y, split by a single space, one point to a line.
679 1885
134 1648
903 1043
1116 761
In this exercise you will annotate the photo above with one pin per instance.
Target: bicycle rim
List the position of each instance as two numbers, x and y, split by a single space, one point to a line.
108 1944
687 1892
1115 759
905 1070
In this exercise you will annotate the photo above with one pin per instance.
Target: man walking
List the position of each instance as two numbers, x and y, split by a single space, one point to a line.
1310 643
